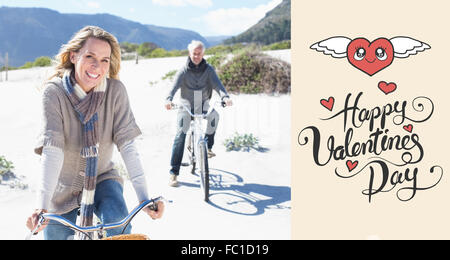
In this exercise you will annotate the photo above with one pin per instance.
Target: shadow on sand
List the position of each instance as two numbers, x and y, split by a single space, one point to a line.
229 192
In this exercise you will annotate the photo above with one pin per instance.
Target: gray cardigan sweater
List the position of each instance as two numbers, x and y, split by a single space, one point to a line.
61 128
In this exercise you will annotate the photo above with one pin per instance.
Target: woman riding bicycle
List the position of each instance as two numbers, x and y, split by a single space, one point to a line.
196 82
86 112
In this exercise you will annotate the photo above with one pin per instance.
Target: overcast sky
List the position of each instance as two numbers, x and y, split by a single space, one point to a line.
207 17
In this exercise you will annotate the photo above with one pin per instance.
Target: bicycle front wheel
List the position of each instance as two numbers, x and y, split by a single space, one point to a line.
191 151
204 170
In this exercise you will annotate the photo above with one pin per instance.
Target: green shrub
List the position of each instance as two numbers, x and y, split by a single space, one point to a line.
3 68
129 47
253 72
5 165
152 83
170 75
146 48
27 65
224 49
158 53
151 50
241 142
177 53
217 60
42 62
278 46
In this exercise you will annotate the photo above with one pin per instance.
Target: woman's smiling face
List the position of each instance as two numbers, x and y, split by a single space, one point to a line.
91 63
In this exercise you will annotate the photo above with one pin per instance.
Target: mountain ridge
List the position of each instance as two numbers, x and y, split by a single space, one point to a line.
27 33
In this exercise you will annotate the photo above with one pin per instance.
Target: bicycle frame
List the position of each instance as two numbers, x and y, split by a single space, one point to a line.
197 117
98 228
196 124
198 136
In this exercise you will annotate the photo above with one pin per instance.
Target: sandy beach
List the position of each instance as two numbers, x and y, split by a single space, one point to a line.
250 193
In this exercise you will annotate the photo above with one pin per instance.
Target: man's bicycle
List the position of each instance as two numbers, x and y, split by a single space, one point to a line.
96 232
198 152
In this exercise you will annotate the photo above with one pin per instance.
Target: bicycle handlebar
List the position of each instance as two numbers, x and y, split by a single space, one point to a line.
152 204
211 108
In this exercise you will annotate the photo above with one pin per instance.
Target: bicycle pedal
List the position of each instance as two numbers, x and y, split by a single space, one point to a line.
185 164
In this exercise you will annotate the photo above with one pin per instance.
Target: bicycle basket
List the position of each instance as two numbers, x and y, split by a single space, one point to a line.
128 237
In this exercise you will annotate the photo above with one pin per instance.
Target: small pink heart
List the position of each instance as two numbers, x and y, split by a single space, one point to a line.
387 88
351 165
328 104
408 128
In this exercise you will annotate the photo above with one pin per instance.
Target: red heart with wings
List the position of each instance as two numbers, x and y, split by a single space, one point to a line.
370 57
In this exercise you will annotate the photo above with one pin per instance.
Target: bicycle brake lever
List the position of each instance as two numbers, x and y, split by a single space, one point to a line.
35 230
165 200
154 205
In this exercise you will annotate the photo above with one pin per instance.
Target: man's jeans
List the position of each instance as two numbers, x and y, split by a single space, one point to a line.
183 124
109 205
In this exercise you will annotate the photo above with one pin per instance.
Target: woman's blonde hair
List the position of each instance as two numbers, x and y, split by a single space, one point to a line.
77 42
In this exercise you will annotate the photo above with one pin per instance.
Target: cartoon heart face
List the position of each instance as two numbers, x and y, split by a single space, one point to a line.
370 57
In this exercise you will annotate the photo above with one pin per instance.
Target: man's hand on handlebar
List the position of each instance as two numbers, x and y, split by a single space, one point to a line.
228 102
169 105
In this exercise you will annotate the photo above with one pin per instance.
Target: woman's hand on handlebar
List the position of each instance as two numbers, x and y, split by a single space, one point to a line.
155 214
33 220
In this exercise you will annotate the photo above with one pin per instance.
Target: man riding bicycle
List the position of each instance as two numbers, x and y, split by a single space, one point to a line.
196 81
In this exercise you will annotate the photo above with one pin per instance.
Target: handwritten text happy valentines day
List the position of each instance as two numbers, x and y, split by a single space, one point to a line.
403 170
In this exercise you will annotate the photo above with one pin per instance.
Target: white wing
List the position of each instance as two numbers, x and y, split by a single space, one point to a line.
334 46
406 46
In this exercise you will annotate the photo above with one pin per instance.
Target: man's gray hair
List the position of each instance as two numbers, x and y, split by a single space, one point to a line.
194 45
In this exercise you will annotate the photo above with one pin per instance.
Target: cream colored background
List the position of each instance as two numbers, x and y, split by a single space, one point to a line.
328 207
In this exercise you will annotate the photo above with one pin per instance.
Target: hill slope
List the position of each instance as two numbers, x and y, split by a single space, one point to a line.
274 27
27 33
